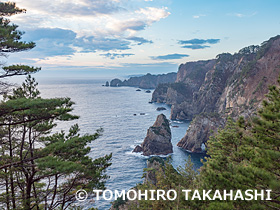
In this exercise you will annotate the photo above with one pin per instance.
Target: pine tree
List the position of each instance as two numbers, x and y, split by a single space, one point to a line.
228 166
245 155
10 42
266 135
40 170
168 178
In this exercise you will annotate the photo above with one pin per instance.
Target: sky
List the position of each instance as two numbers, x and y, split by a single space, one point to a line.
118 38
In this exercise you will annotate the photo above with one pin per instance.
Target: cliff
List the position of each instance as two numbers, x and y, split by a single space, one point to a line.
158 139
201 128
229 85
147 81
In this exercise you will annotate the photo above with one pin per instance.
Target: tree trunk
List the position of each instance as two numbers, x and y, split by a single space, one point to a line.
11 170
7 190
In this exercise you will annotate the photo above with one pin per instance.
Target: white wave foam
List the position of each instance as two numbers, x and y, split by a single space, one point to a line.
176 121
139 154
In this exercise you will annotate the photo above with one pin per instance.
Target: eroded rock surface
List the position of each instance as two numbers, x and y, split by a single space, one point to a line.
158 139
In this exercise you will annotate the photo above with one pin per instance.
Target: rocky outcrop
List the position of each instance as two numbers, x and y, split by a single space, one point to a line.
190 76
201 128
230 85
161 108
158 139
147 81
153 164
116 83
138 149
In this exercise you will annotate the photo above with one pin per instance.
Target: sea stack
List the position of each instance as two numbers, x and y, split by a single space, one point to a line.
116 83
158 139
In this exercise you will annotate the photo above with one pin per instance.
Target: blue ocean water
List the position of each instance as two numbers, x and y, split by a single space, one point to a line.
113 109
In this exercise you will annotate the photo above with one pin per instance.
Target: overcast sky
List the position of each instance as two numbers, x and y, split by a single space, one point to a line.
108 38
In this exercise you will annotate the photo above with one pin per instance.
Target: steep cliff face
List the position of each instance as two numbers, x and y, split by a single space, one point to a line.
158 139
180 94
230 85
193 73
201 128
147 81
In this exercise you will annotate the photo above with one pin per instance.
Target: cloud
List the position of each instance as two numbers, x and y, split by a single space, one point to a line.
91 44
240 15
140 40
135 21
169 57
90 18
73 7
116 55
199 41
51 42
67 29
56 41
49 33
198 16
99 18
129 25
196 44
153 14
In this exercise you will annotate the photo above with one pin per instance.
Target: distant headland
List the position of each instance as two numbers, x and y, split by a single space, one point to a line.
148 81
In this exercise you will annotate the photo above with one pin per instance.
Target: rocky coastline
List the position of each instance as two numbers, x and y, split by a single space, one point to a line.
231 85
147 81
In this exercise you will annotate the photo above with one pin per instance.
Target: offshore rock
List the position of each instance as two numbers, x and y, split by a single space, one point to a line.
161 108
138 149
116 83
158 139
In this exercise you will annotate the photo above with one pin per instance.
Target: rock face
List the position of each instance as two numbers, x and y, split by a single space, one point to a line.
189 79
115 83
199 132
158 139
147 81
155 164
230 85
161 108
138 149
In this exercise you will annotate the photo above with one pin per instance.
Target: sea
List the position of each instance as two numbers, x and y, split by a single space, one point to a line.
125 115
